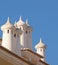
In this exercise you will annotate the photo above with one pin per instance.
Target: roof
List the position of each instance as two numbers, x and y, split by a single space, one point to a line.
40 44
44 62
26 49
16 56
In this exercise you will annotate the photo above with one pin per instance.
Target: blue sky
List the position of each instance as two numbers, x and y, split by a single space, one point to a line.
42 16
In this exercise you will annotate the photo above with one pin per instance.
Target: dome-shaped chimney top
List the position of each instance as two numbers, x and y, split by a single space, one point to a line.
20 22
40 44
7 25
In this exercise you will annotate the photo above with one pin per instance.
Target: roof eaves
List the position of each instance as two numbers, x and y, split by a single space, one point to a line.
43 62
26 49
15 55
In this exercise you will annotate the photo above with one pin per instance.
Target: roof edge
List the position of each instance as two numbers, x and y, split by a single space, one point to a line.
43 62
27 49
15 55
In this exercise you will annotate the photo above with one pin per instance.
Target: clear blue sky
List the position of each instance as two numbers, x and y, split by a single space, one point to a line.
42 16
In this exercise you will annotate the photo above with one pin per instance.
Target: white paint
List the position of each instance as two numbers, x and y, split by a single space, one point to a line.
8 40
40 49
25 38
22 38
